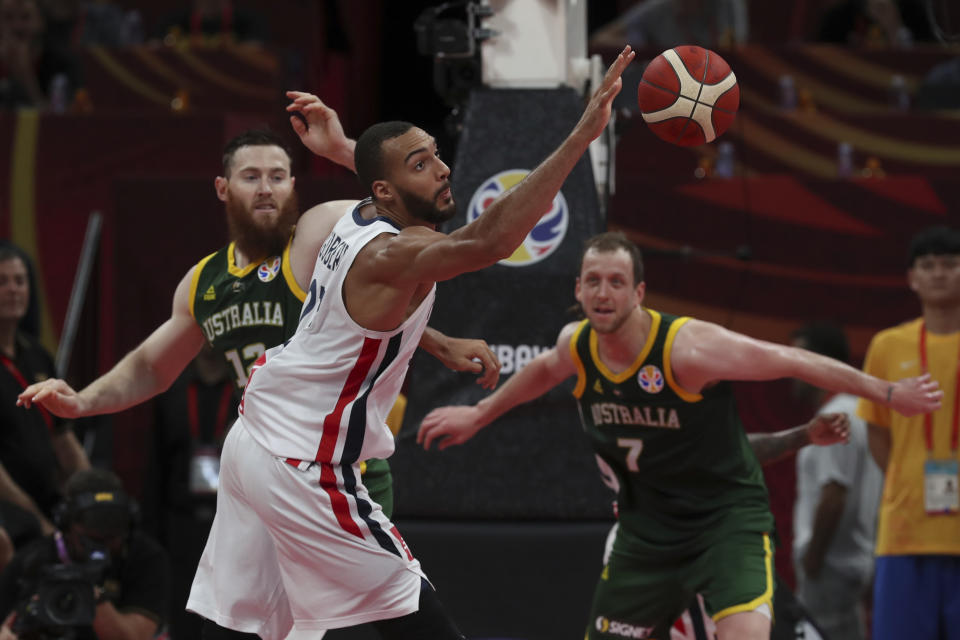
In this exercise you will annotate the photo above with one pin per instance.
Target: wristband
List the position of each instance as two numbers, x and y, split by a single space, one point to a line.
889 393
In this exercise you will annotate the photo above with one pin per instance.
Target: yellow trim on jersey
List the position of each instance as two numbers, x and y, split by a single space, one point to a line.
766 598
581 370
288 273
232 267
632 369
196 280
668 370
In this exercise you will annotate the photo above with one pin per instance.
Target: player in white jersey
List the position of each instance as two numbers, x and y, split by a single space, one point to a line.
297 543
333 367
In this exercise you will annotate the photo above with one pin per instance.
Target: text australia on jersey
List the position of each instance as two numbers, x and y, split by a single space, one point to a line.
647 416
249 314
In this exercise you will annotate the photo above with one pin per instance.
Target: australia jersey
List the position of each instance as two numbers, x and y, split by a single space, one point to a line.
325 395
245 311
685 470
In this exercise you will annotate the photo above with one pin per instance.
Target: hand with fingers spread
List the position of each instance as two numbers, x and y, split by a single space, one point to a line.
464 354
829 428
597 113
448 426
319 128
54 395
912 396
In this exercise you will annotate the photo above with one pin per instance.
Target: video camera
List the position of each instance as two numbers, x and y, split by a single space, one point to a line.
63 599
61 596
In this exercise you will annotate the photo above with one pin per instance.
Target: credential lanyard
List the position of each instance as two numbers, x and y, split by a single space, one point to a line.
928 417
194 415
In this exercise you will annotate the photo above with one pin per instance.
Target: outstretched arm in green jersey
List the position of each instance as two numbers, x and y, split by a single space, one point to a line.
455 425
143 373
705 353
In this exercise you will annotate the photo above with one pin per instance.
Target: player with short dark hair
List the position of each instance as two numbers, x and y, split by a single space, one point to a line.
296 542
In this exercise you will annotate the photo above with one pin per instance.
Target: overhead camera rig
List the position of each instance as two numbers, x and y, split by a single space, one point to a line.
451 34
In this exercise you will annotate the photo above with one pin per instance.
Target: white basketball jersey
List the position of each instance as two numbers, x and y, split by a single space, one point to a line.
325 394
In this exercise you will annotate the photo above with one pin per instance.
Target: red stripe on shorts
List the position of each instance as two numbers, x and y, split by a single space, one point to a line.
331 424
396 534
341 508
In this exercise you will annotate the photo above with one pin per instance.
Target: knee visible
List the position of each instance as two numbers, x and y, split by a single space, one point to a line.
746 625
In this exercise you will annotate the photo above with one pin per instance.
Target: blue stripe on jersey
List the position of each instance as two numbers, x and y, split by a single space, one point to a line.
357 425
364 509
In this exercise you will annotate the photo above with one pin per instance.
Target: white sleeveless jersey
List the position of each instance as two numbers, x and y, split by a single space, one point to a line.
325 394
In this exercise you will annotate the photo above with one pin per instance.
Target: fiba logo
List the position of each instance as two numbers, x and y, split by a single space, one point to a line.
650 379
269 269
545 237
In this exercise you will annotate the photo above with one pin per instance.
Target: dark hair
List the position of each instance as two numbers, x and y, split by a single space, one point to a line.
612 241
9 251
252 138
825 338
934 241
92 480
368 154
30 322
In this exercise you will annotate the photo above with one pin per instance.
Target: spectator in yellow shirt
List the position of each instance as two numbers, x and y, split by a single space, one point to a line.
917 584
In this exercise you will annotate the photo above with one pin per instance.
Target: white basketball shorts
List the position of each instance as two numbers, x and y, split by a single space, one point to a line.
298 545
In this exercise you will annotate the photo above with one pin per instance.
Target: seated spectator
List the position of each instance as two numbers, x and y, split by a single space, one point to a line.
126 570
37 69
37 450
663 24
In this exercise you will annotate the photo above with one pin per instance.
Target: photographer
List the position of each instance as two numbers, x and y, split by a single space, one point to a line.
97 577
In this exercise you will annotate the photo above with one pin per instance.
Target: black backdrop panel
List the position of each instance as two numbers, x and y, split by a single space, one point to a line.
534 462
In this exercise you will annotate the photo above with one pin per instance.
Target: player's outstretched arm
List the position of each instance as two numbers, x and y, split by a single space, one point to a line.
143 373
822 430
704 353
418 254
319 128
463 354
448 426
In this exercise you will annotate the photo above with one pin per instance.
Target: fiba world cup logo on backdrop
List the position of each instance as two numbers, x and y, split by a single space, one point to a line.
546 235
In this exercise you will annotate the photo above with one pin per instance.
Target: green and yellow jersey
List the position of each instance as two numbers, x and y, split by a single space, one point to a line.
686 473
245 311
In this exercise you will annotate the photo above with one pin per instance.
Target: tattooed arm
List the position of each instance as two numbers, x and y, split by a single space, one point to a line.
825 429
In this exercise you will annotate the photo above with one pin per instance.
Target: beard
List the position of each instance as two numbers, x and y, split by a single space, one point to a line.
428 210
258 239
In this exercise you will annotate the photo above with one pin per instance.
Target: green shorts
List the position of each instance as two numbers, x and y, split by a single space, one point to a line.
378 480
641 596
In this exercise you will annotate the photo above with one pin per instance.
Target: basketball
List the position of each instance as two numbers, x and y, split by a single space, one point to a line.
688 95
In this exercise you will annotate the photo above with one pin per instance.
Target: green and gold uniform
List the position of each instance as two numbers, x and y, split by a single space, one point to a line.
245 311
693 509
